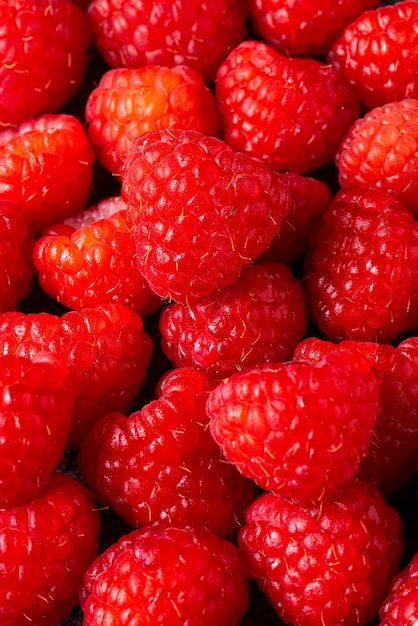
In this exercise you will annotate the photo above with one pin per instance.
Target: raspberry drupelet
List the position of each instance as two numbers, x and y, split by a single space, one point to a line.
299 430
161 463
90 260
260 318
130 101
201 212
167 576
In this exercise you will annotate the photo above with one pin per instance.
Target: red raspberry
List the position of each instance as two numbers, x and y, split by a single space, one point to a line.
325 565
45 548
46 168
161 463
166 576
390 460
260 318
309 197
133 33
36 410
304 27
291 113
90 260
378 54
381 150
16 267
202 212
362 268
43 56
130 102
297 429
401 604
105 347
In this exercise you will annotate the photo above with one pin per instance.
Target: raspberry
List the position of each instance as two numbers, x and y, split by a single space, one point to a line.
90 260
290 113
16 267
361 269
304 27
133 33
201 212
390 460
401 604
45 548
36 410
105 347
260 318
309 197
161 463
381 150
43 56
298 430
46 168
378 54
324 565
166 576
129 102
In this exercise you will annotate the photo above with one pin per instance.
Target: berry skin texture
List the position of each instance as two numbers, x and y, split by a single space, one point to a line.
324 565
43 57
298 430
131 101
362 268
105 348
309 197
290 113
304 27
16 267
260 318
46 168
45 548
378 54
393 449
161 463
401 603
36 410
90 260
381 150
202 213
166 576
134 33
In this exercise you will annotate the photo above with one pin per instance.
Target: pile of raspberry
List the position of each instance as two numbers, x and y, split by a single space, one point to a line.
208 313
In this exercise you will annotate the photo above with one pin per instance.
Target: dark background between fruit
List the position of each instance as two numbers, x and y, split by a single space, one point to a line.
259 612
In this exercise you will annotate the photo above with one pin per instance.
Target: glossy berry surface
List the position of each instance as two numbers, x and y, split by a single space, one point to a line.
43 56
401 604
134 33
298 430
324 565
105 348
45 547
290 113
16 267
309 197
36 410
260 318
90 260
130 101
378 54
362 268
46 168
161 463
169 575
380 151
304 27
201 212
